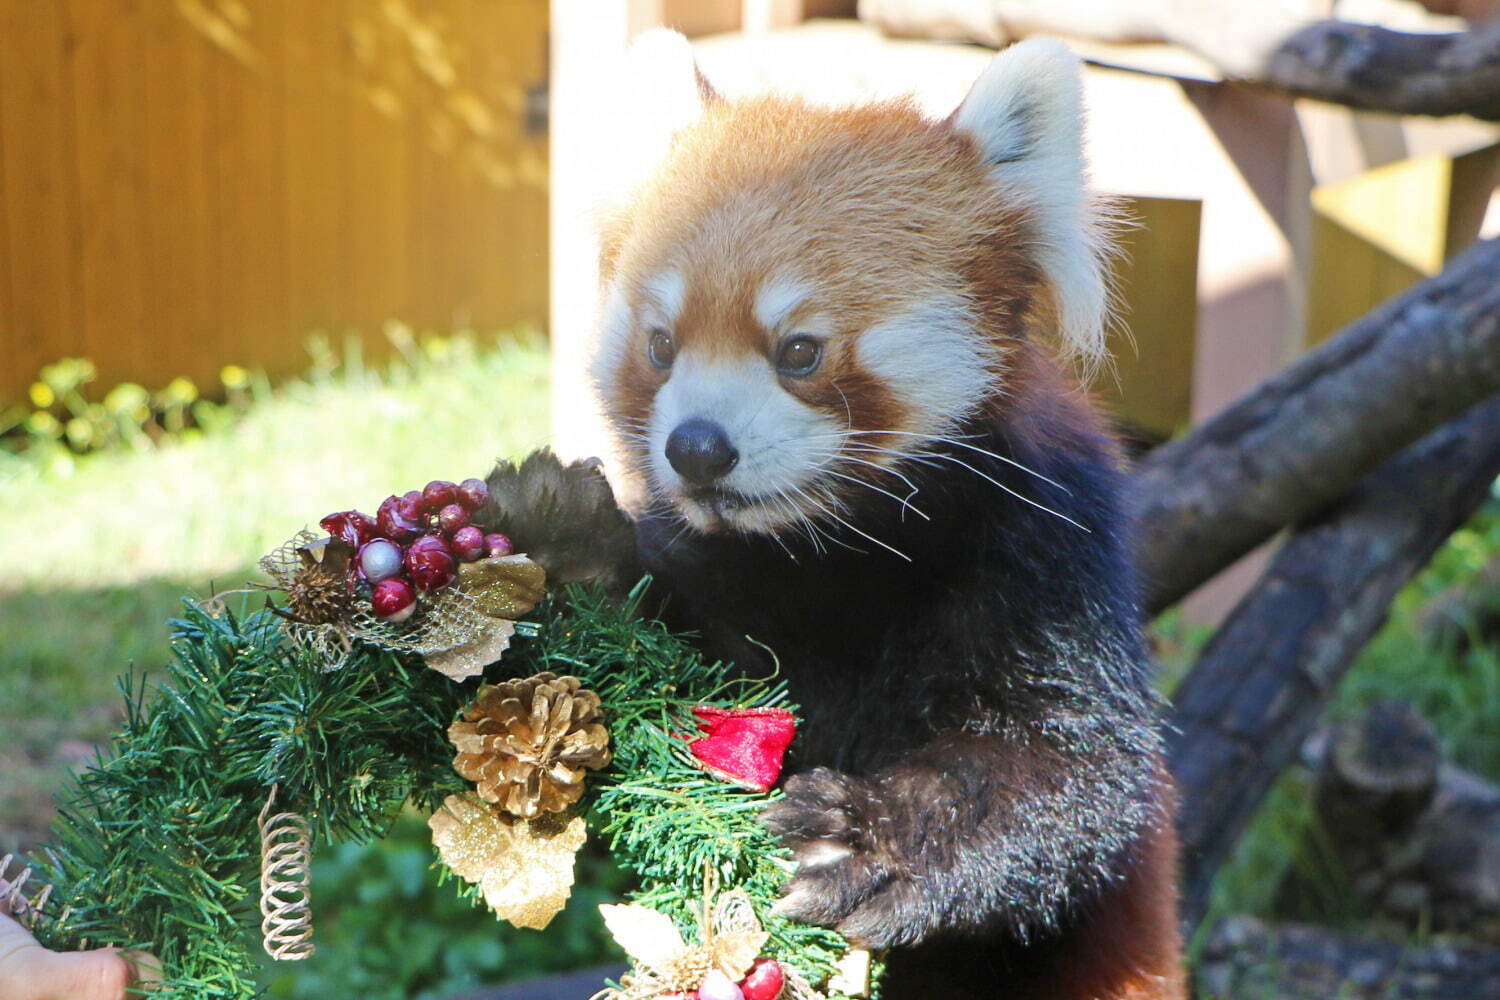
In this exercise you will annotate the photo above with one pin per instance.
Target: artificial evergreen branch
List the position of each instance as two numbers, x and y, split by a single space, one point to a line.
155 847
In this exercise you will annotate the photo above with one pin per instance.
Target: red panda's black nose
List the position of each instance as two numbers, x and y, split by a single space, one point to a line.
700 451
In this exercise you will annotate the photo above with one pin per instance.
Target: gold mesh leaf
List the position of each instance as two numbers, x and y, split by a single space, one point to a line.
469 660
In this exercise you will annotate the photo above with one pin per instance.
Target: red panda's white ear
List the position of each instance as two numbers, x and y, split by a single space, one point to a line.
1026 114
657 93
664 78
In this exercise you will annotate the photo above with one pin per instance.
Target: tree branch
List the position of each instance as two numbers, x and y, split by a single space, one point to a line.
1303 438
1247 705
1364 66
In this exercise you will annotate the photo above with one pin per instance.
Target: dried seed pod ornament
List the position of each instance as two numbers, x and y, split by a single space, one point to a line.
317 590
527 743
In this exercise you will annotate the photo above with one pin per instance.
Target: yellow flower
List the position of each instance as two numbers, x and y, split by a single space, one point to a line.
181 390
42 395
42 422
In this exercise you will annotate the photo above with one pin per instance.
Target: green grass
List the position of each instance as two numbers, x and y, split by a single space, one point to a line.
99 550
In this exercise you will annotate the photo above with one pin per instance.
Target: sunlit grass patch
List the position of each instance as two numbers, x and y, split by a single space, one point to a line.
100 550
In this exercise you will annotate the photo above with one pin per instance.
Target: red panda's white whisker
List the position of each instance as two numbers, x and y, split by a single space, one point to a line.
1019 496
822 509
880 468
927 458
798 517
828 512
799 520
905 501
963 444
889 548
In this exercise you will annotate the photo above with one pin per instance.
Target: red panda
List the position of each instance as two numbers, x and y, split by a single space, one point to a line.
822 353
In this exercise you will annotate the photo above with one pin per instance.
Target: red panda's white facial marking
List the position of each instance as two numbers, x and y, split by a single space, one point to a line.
831 290
930 356
757 422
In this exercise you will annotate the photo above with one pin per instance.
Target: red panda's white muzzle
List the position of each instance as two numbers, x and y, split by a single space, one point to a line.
731 448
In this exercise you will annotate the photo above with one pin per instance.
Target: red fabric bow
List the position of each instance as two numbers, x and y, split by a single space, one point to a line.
744 746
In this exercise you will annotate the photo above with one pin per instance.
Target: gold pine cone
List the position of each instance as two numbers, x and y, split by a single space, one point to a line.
526 743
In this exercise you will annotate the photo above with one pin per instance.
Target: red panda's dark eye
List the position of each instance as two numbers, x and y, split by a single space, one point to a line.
799 355
660 348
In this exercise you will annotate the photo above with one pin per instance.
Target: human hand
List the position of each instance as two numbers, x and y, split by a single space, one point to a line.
30 972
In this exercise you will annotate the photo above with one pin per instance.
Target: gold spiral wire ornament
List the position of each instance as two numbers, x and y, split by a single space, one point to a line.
285 859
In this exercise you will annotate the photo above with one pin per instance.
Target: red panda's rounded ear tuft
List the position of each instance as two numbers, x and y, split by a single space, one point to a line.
662 74
641 103
1025 114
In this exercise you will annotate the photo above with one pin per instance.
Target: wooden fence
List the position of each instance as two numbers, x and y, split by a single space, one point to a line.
189 183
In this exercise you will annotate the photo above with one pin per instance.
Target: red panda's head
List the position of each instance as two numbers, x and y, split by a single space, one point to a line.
800 296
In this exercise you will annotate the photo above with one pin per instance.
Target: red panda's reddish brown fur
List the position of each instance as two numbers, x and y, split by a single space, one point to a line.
923 523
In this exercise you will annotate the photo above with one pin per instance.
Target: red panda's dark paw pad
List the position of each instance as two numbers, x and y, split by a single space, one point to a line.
828 822
820 804
896 915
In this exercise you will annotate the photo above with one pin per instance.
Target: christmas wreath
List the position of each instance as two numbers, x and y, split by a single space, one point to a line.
416 656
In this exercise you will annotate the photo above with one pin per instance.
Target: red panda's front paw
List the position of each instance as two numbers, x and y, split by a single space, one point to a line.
832 824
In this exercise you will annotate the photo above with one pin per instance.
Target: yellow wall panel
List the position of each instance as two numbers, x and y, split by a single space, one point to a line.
188 183
1149 385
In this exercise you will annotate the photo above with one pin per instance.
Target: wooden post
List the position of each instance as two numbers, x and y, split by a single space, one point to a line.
587 37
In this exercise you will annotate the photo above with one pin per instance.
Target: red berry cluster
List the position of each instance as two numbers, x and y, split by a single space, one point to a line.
415 543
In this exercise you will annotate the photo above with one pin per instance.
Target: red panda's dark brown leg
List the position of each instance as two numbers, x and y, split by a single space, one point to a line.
1011 833
1130 945
1123 945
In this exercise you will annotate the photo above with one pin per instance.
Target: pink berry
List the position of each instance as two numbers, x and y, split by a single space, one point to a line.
350 527
397 519
438 494
473 494
717 986
496 544
393 600
430 563
764 981
380 559
452 517
468 543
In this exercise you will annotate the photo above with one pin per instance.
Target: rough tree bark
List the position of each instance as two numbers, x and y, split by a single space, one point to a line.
1286 46
1305 436
1256 692
1244 957
1364 66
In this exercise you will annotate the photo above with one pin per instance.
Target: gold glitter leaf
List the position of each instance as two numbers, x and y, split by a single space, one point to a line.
503 586
524 868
